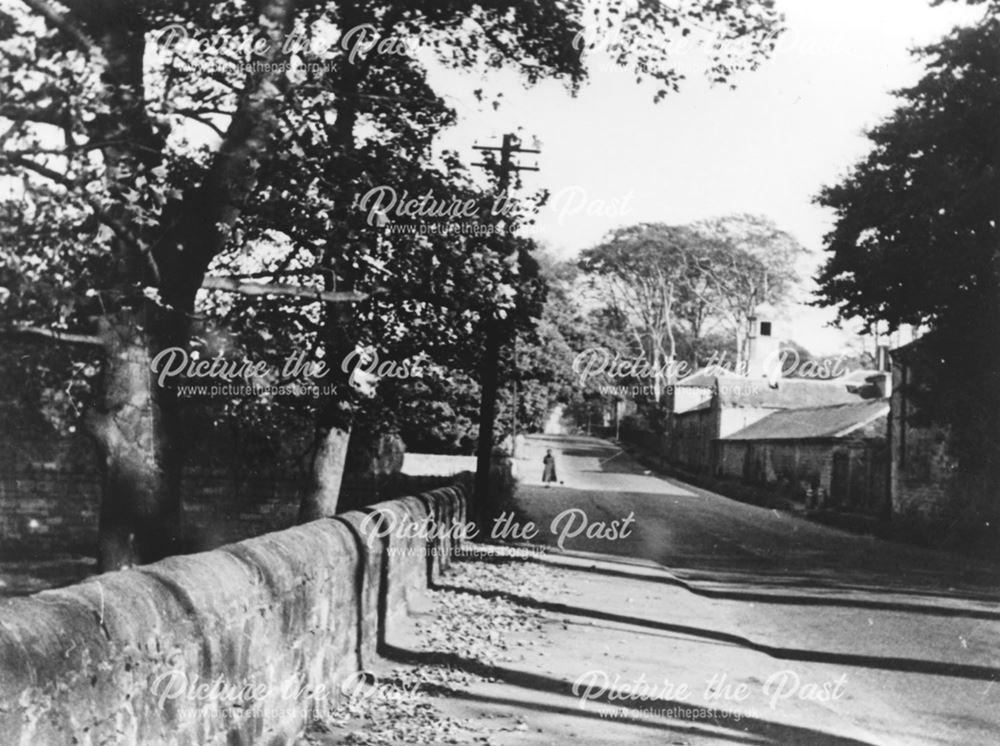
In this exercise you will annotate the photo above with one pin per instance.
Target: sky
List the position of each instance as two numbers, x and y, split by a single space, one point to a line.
612 157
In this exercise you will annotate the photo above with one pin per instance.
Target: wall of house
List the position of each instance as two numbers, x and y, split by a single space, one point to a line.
933 500
732 458
921 467
273 624
921 479
686 397
793 465
689 442
849 474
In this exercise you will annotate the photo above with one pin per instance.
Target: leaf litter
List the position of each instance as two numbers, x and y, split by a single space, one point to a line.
475 624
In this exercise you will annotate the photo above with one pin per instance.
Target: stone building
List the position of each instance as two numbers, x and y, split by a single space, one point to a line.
830 456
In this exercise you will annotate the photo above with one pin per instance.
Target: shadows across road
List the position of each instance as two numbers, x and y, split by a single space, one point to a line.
720 595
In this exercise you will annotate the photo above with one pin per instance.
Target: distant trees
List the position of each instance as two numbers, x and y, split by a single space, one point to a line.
738 263
675 285
917 235
642 273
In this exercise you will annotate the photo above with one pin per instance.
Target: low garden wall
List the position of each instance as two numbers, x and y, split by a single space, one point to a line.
243 644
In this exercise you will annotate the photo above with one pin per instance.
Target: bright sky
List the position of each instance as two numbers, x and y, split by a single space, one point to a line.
767 147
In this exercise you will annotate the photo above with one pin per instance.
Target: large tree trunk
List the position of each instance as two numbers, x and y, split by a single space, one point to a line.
136 427
135 422
322 494
335 416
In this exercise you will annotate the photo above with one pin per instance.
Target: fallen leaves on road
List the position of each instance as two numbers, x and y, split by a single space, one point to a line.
402 714
475 623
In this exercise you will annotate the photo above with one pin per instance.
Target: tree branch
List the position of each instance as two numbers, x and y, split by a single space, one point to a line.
235 285
40 169
59 336
58 21
198 117
119 229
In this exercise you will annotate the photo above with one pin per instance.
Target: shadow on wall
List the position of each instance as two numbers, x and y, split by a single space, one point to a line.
292 611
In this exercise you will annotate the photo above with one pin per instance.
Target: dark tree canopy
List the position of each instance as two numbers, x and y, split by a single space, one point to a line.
916 228
147 165
917 240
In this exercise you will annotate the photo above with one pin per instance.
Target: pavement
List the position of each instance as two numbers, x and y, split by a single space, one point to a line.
669 614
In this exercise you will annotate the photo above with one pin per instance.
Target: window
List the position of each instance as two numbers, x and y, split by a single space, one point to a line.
765 328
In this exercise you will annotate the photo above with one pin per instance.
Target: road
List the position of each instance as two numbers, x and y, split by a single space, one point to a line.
717 588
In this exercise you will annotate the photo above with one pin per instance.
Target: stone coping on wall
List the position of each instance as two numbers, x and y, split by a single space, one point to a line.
243 644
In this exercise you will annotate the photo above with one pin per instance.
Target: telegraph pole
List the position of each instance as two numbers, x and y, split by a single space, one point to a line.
489 371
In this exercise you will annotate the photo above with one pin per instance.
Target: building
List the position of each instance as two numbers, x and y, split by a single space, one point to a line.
930 494
925 480
920 466
707 408
833 456
714 403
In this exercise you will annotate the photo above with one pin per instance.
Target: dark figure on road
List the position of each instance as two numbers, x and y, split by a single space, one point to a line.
549 474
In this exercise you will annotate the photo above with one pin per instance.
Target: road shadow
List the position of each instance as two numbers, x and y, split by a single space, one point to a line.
883 663
812 593
694 720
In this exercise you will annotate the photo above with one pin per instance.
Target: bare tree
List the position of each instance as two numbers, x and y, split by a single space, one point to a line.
641 272
738 263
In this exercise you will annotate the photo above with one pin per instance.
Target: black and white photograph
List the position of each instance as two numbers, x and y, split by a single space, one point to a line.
499 372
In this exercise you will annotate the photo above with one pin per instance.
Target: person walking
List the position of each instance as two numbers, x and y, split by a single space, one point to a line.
549 473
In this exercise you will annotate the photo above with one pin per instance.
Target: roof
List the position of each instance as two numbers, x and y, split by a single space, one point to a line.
704 377
815 422
788 393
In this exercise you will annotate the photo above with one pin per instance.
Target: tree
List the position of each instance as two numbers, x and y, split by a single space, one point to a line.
143 164
542 39
641 270
91 133
348 161
673 284
739 263
546 373
917 241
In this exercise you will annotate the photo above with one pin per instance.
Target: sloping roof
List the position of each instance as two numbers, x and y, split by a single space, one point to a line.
704 377
789 393
814 422
696 407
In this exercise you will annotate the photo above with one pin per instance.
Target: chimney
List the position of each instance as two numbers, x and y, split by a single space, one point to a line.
762 346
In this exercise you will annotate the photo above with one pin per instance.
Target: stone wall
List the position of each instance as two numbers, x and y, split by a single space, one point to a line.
922 468
46 513
267 628
51 509
842 474
690 439
50 485
803 465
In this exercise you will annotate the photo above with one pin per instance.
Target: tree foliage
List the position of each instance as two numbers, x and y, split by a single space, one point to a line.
675 285
152 144
916 239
